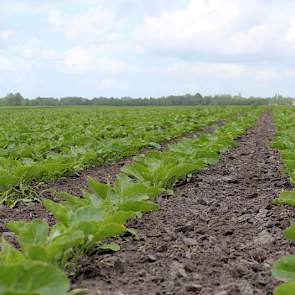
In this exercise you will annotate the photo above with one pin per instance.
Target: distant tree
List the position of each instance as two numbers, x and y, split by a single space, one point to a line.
14 99
43 101
187 99
74 101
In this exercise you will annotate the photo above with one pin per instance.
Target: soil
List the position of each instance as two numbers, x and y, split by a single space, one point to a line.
218 235
74 184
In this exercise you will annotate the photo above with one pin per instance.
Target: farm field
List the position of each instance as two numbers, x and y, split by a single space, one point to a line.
155 200
44 143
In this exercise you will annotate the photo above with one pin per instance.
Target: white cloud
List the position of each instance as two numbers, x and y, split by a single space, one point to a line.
158 45
6 64
221 71
85 60
9 63
221 30
198 24
97 24
5 35
35 50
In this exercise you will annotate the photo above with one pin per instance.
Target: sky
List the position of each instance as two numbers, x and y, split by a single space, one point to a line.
144 48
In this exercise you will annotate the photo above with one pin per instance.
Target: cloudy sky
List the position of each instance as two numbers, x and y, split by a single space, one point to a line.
147 48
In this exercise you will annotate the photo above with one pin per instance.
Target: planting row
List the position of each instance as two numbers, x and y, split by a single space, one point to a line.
284 268
82 223
44 143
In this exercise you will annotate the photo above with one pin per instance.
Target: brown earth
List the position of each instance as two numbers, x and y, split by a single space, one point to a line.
219 234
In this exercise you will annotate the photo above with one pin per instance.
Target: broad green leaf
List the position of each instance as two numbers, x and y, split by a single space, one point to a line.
119 217
88 228
33 278
289 232
154 145
287 155
70 200
59 211
285 289
285 198
6 181
138 171
9 255
90 199
132 231
107 231
79 292
178 172
290 164
139 206
36 252
86 214
64 244
284 268
100 189
33 232
111 246
122 182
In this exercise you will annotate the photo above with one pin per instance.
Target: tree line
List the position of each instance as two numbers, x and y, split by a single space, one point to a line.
16 99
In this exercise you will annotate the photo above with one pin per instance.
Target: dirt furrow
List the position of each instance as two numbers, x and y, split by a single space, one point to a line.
218 235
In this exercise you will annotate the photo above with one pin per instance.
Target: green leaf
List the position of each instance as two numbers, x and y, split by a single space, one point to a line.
290 164
138 171
111 246
289 232
70 201
284 268
285 289
132 231
178 172
139 206
33 278
119 217
91 199
287 155
36 252
9 255
79 292
100 189
107 231
285 198
154 145
86 214
62 245
122 182
33 232
59 211
6 181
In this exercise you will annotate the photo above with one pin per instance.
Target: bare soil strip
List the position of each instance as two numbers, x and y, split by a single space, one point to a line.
219 235
73 184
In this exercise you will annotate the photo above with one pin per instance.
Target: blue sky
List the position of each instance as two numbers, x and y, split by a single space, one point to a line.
147 48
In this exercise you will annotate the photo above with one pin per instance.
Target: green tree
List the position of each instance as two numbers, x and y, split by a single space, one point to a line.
14 99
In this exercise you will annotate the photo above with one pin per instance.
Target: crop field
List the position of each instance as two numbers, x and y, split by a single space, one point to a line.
44 143
147 200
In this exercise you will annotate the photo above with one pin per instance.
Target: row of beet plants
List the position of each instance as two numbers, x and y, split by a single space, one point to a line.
45 255
42 145
284 268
